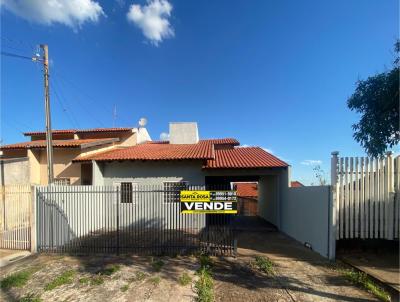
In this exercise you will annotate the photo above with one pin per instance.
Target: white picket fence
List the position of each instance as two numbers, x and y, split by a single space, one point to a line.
366 194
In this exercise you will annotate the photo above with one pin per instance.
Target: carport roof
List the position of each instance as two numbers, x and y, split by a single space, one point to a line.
243 158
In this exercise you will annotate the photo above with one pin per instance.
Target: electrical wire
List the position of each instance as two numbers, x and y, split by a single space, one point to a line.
9 54
68 112
17 44
87 97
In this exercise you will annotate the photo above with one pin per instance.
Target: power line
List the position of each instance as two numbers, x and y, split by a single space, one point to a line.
9 54
12 41
90 113
69 114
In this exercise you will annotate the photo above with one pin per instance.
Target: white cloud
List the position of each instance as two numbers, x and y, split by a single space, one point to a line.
72 13
311 162
152 19
164 136
268 150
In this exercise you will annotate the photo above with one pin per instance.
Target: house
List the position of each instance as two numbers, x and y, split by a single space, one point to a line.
186 159
26 162
247 193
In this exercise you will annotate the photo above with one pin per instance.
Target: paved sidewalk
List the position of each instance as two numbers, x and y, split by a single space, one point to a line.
383 266
10 256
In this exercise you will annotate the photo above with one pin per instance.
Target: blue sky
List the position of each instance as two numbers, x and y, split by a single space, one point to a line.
275 74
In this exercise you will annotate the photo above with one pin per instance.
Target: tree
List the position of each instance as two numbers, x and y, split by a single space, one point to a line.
377 100
319 174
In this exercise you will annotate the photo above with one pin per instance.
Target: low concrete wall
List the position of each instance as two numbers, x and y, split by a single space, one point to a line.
305 216
14 171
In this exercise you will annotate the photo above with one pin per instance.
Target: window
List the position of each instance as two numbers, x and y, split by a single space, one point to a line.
172 190
127 191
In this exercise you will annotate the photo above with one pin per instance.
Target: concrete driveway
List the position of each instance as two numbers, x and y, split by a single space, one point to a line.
300 274
9 256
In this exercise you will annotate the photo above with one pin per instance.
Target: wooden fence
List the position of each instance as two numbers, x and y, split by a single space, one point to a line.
366 194
15 217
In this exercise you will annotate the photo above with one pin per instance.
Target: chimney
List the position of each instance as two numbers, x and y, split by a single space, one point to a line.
183 133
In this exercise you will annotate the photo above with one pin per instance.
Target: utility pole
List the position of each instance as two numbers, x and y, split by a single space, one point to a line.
49 138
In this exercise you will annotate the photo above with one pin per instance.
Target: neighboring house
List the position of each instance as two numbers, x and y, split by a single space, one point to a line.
247 198
186 159
26 162
296 184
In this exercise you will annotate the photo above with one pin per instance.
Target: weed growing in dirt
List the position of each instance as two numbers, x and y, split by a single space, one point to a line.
94 280
110 269
155 280
264 264
17 279
84 280
362 280
140 276
205 261
125 288
157 265
204 286
64 278
97 280
184 279
31 298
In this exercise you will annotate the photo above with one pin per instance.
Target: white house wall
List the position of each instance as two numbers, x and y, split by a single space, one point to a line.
305 216
14 171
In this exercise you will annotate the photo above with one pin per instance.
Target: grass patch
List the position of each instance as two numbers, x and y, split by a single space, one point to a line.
31 298
110 269
157 265
124 288
84 280
17 279
64 278
204 286
184 279
205 261
94 280
264 265
97 280
155 280
362 280
140 276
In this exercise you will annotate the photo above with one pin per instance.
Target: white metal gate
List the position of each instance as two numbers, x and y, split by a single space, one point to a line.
366 193
15 217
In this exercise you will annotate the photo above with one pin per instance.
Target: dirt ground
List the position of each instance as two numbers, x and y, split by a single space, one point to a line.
299 275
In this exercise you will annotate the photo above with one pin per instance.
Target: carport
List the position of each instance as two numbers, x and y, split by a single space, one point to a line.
251 165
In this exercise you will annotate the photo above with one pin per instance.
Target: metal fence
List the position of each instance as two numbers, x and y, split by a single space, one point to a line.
130 218
15 217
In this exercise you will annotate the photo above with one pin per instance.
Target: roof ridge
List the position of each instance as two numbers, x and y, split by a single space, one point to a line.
63 131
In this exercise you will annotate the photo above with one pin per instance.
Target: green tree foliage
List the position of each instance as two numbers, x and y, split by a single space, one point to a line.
376 99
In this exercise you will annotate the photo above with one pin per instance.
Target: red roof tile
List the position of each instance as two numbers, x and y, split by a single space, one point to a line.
250 157
247 190
223 141
72 131
215 141
73 143
155 151
296 184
